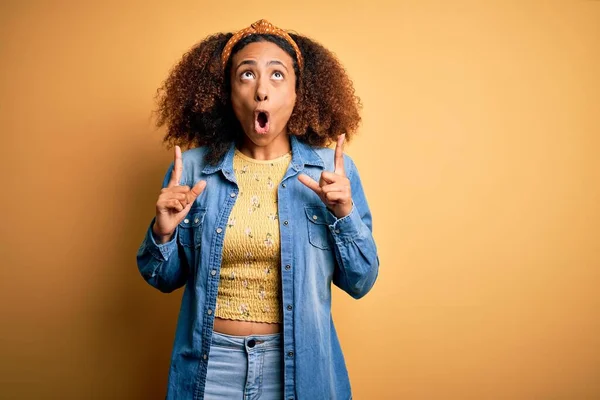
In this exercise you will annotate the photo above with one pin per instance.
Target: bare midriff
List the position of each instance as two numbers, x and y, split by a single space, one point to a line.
244 328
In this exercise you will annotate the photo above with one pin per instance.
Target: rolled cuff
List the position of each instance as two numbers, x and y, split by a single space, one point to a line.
160 251
347 228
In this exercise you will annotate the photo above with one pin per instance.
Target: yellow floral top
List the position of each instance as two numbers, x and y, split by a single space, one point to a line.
250 284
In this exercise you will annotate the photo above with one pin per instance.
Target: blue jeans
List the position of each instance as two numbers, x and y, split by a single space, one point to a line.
245 367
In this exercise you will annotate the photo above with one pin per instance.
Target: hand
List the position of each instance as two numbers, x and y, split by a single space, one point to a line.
174 201
334 187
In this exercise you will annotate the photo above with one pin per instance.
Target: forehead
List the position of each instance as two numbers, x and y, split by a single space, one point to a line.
262 51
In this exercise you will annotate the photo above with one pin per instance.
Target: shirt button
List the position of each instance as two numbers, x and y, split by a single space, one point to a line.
289 307
213 272
219 230
283 185
209 312
288 267
204 356
290 354
186 220
232 195
285 223
196 220
337 231
315 217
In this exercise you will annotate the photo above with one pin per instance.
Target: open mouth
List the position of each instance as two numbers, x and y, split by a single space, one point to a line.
261 121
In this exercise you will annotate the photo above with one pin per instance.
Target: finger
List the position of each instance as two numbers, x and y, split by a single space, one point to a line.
175 204
310 183
339 155
177 168
169 202
336 197
334 187
196 191
164 197
176 189
176 196
331 177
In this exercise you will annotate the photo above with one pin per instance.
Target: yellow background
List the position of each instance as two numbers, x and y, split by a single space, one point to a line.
478 152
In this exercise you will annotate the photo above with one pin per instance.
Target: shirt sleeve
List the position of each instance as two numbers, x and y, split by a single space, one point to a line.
355 249
160 264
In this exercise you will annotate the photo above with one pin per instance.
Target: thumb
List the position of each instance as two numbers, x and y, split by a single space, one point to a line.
196 191
310 183
193 193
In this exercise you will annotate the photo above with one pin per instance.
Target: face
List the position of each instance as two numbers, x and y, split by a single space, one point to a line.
263 93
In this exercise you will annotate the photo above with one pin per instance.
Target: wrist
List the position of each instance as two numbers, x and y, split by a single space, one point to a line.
342 211
161 239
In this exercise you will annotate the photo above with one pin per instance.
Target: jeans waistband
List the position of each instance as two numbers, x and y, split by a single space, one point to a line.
250 342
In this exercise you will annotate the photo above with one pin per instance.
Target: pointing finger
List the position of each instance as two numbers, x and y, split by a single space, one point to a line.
310 183
177 168
339 155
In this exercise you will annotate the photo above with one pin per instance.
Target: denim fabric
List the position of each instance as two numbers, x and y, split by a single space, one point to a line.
245 368
317 249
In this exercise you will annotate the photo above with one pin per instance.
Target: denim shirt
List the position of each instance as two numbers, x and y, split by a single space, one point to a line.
317 249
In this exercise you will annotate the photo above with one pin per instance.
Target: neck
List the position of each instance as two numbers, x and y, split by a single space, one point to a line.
278 147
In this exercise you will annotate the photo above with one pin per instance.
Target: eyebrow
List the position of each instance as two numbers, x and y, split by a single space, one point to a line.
252 62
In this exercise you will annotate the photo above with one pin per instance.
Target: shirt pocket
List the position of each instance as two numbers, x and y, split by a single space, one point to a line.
318 220
190 229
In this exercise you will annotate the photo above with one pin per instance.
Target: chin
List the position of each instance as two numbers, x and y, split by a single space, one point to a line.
269 135
262 139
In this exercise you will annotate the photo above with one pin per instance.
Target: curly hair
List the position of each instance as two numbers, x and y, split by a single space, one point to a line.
194 100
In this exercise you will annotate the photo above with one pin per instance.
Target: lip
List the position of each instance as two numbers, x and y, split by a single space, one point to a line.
257 128
260 110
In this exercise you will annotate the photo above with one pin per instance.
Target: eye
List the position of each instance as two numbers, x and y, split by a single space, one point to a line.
278 75
246 75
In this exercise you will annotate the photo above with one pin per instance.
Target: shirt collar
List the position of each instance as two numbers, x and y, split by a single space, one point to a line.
302 154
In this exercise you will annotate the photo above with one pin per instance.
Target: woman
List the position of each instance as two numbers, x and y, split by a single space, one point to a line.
259 217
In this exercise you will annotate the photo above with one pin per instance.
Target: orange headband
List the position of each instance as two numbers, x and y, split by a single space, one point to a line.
259 27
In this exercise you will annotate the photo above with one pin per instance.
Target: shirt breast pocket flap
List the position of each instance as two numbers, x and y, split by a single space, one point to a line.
190 229
319 219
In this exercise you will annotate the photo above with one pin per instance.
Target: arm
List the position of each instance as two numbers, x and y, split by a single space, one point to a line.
161 264
357 264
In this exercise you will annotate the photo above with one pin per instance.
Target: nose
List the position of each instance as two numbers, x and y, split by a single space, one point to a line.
261 91
261 95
